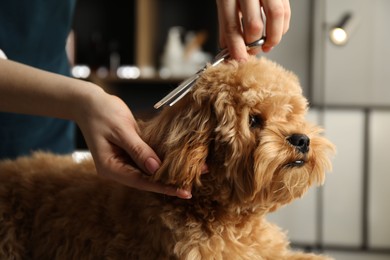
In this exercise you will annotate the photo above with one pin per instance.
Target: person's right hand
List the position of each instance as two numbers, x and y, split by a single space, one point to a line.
234 35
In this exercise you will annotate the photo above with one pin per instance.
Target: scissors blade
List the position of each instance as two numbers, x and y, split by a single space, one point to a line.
182 94
185 86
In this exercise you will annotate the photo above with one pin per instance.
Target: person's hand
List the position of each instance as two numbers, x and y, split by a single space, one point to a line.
106 122
240 22
111 134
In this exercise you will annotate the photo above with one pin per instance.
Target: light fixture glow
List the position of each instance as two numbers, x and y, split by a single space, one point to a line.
81 71
128 72
338 36
341 32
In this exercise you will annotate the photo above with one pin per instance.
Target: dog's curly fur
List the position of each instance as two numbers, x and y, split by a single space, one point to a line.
238 120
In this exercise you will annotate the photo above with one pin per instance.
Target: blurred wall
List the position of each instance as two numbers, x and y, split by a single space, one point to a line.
293 52
357 73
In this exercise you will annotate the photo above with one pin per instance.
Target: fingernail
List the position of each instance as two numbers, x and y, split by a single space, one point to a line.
152 165
267 49
204 169
184 194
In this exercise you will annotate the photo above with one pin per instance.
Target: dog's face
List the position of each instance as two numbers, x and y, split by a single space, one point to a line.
246 121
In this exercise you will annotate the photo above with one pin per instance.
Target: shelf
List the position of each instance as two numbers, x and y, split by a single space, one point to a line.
110 80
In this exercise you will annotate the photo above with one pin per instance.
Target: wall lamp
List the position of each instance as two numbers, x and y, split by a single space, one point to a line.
340 33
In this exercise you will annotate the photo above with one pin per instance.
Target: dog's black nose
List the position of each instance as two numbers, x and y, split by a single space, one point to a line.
300 141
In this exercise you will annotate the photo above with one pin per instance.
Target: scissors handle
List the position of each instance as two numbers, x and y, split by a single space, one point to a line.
224 53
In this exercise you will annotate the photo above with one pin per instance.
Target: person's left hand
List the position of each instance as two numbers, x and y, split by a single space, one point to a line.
111 134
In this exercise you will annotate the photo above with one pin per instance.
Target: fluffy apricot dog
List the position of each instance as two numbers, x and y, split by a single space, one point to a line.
246 121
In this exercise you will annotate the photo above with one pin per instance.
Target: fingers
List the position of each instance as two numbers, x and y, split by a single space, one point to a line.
252 22
231 35
125 134
278 14
147 160
144 184
142 154
122 172
113 162
287 16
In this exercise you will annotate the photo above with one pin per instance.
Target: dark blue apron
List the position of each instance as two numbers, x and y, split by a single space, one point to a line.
34 32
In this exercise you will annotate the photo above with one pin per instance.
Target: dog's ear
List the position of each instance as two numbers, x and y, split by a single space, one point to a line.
234 148
182 143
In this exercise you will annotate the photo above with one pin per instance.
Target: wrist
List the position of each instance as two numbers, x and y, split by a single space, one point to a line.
85 100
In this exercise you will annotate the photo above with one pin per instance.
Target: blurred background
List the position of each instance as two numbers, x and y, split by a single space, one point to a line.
141 49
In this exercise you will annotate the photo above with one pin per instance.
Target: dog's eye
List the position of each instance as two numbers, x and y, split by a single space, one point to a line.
255 121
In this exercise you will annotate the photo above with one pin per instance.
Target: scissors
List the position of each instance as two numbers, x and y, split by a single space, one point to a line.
185 86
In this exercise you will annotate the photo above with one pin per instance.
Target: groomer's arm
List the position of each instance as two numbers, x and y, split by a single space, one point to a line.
106 122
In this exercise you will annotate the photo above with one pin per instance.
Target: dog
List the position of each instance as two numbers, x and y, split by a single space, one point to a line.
245 121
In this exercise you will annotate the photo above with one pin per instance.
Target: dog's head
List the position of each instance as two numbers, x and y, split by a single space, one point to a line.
246 121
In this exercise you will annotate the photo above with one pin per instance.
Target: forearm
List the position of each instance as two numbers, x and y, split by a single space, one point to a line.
27 90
